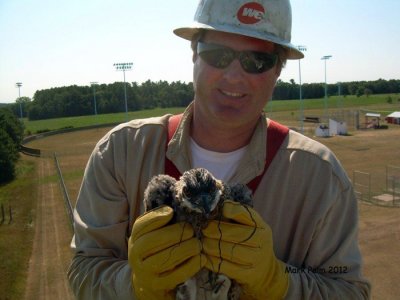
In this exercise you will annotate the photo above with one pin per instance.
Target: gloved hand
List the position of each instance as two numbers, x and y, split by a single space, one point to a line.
244 242
162 256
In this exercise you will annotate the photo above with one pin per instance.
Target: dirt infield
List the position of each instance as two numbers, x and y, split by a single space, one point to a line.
380 244
368 151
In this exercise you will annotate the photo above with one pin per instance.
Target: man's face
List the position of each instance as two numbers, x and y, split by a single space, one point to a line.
231 96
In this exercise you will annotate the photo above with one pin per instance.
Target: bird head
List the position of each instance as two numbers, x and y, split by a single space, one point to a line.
199 192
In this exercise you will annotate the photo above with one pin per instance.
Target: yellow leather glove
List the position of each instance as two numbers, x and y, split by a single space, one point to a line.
244 242
162 256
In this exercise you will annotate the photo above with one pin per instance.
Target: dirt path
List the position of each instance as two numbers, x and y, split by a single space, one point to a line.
50 255
380 243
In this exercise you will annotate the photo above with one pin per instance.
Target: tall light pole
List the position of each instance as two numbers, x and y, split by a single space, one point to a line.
339 84
301 48
124 67
339 103
325 58
93 84
18 85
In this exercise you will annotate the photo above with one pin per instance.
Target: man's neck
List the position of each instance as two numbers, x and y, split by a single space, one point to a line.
220 138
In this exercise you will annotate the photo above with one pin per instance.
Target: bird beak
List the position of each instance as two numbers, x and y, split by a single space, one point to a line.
205 203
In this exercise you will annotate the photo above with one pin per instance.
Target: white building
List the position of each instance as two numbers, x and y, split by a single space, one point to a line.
334 128
337 128
393 118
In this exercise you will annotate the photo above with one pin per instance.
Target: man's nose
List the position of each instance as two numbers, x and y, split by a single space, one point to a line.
234 72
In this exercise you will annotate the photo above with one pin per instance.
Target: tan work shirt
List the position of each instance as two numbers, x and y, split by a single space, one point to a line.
305 196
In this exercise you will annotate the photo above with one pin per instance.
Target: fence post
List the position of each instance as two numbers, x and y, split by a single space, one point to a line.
2 214
387 178
11 217
394 186
369 187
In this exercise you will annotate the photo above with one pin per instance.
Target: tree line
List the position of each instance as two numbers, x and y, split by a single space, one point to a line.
110 98
11 134
104 98
290 90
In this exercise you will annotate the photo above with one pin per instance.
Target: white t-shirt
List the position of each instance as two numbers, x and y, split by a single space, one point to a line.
221 165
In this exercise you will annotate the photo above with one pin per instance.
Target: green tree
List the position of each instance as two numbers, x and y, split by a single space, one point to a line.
11 125
367 92
11 134
8 157
21 104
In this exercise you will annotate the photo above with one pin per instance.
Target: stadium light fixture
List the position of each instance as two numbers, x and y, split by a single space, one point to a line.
18 85
124 67
325 58
301 48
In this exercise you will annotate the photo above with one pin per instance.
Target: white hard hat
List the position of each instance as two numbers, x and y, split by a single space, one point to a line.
269 20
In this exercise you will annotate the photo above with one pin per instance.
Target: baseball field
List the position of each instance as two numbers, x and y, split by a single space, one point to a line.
46 232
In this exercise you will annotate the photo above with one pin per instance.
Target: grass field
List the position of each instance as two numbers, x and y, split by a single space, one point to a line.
16 238
368 151
374 102
82 121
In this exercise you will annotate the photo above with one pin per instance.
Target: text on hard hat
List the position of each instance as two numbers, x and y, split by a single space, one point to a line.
251 13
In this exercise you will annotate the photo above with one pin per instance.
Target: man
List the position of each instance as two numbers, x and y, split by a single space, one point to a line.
299 241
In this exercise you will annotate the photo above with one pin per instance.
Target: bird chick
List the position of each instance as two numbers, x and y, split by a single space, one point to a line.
159 191
197 198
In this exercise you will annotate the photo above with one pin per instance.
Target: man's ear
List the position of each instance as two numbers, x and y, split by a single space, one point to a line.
194 56
278 70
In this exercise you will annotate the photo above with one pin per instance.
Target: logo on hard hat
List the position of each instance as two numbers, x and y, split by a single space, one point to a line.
251 13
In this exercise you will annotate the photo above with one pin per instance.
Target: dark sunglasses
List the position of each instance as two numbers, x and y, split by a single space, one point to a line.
220 57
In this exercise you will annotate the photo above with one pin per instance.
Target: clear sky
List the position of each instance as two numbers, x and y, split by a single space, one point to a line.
49 43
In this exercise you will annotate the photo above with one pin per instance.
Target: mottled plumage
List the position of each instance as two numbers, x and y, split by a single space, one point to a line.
197 198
